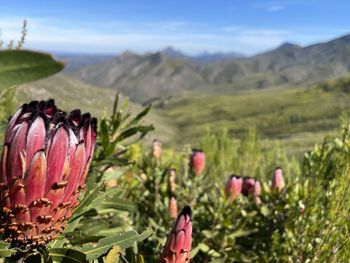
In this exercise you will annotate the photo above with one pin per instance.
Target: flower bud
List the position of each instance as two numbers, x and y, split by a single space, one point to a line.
233 187
277 180
251 187
197 161
157 149
172 207
178 245
172 180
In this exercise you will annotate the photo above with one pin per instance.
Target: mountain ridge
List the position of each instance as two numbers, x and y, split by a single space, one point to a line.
158 75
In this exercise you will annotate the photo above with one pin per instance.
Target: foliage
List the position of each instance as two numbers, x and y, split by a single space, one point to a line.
19 66
305 222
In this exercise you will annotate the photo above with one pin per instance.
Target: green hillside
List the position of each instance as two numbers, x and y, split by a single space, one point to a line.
299 117
71 93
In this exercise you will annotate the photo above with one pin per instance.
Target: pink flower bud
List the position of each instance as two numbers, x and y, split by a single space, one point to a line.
178 245
156 149
172 207
233 187
197 161
251 187
277 180
44 164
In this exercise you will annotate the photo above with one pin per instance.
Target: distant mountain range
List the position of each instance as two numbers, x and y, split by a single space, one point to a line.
75 62
169 72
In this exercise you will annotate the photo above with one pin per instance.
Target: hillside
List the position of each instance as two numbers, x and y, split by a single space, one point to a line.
157 75
299 117
71 93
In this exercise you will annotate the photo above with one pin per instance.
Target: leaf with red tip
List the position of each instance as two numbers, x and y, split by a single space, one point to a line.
18 194
73 142
179 242
56 157
84 174
11 125
188 240
3 164
56 194
35 138
15 162
181 222
76 171
87 139
35 178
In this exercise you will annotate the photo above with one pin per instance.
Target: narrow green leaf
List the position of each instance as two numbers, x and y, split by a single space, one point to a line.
67 255
123 240
139 116
119 204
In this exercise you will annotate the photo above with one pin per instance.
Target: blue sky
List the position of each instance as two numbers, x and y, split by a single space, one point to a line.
245 26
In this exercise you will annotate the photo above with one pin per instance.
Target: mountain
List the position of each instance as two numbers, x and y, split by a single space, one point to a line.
207 57
204 57
144 77
174 53
158 75
75 62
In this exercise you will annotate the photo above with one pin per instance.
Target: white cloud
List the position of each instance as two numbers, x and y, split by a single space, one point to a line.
117 36
275 8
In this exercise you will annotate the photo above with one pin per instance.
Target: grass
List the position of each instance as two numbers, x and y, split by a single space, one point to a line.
298 117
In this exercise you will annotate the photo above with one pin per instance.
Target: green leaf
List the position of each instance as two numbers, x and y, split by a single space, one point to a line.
123 240
205 249
145 234
67 255
19 66
60 240
139 116
88 202
119 204
4 249
242 233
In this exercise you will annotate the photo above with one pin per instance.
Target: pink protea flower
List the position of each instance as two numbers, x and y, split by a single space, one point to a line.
156 149
178 245
44 164
172 207
251 187
197 161
277 179
233 187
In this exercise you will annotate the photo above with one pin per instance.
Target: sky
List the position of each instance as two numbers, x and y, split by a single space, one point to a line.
192 26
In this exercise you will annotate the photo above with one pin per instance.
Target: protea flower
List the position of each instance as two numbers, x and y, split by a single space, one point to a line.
233 187
172 207
277 179
44 165
197 161
178 245
251 187
156 149
172 180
